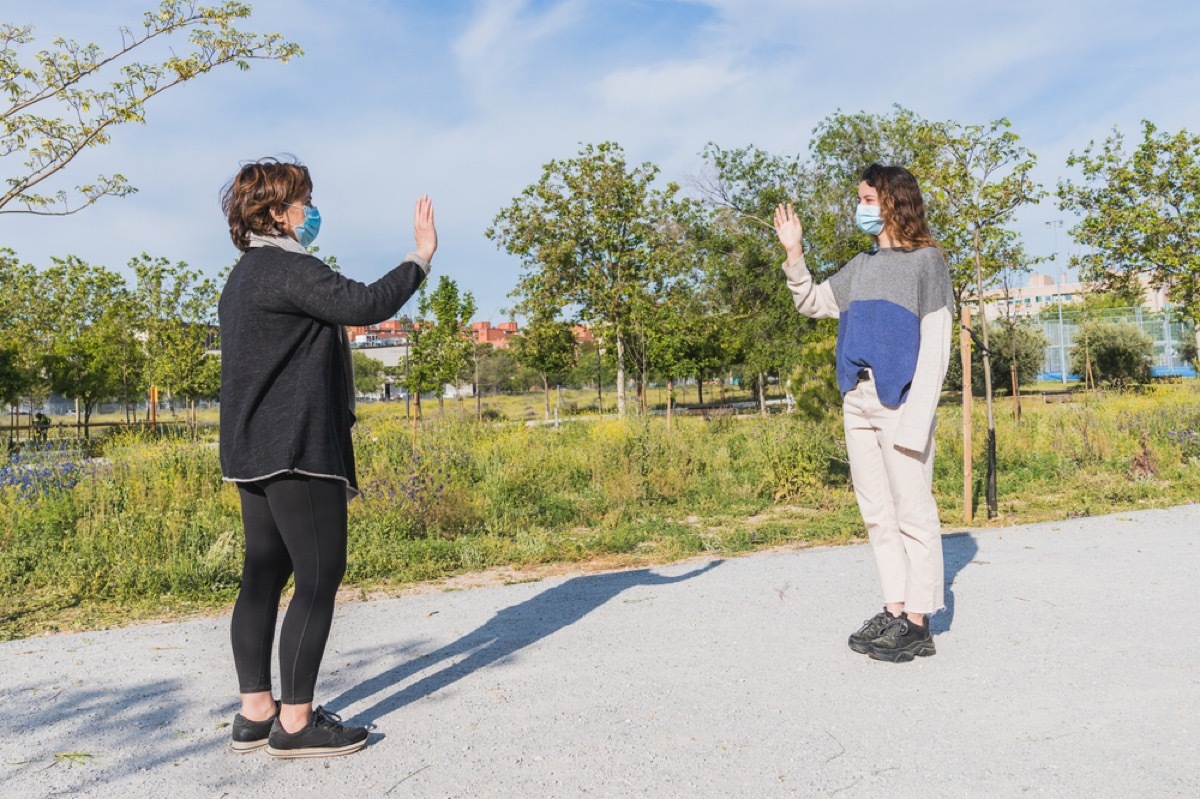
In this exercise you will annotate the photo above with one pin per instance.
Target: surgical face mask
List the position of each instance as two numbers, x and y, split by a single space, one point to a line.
868 219
308 231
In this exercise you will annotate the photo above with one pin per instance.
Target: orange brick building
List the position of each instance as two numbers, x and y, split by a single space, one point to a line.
391 333
497 336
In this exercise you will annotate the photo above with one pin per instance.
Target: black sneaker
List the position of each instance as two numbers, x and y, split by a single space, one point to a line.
902 640
250 736
860 641
323 736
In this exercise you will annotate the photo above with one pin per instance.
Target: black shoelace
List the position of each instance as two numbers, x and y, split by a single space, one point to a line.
323 718
895 628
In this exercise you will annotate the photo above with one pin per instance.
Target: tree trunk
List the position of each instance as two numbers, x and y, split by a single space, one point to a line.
416 416
670 391
546 394
620 376
987 385
1016 392
762 393
700 390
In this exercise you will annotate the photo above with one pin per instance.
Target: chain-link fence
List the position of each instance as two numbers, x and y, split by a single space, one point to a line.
1167 333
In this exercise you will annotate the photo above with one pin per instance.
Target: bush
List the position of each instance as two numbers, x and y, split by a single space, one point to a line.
1030 355
1118 352
814 381
1187 351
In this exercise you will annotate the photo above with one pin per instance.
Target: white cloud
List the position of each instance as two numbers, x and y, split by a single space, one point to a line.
664 88
494 49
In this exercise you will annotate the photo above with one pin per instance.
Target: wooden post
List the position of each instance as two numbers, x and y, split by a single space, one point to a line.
964 339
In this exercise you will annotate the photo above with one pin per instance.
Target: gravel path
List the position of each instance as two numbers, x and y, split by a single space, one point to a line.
1068 665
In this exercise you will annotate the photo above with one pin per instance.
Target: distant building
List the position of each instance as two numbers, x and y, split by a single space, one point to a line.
497 336
1043 292
391 335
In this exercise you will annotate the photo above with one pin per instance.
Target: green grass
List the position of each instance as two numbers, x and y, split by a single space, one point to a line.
153 531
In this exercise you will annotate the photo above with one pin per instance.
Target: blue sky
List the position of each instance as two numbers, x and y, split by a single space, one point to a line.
466 99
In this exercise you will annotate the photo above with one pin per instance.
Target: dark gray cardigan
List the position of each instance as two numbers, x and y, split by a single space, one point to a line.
286 383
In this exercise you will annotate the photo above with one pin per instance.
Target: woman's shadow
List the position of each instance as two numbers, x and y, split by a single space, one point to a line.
509 630
958 549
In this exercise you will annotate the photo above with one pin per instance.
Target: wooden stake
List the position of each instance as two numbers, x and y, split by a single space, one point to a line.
964 339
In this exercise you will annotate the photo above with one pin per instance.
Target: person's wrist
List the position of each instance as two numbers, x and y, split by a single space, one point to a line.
794 254
426 252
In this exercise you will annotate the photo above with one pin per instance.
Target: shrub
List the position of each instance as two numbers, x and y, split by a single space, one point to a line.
1030 355
814 380
1118 352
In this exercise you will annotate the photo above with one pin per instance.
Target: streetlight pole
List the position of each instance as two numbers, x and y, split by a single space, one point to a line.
1062 283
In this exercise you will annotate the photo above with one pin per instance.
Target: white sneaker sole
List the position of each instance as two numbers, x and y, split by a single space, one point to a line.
320 751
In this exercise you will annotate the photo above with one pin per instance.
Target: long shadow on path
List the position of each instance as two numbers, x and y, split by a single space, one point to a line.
510 630
958 549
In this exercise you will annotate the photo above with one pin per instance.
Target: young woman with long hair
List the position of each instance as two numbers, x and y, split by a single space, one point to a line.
895 308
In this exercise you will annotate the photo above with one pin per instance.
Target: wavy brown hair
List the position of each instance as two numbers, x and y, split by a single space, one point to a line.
259 188
901 205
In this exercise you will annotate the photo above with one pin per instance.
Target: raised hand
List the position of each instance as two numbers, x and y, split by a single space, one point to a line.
789 231
423 228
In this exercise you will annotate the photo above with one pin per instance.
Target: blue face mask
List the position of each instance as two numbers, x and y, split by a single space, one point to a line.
868 219
308 231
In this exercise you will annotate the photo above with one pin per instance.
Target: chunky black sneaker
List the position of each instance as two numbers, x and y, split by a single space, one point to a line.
324 736
250 736
860 641
902 640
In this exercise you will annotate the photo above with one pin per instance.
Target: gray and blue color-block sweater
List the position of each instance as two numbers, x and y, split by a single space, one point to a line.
895 310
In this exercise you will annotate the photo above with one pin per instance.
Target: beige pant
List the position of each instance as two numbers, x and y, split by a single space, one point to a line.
895 495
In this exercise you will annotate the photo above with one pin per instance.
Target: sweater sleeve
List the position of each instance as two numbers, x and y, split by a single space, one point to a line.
915 429
933 356
318 291
813 299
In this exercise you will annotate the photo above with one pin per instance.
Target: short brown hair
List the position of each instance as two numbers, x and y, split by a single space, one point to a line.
259 188
900 204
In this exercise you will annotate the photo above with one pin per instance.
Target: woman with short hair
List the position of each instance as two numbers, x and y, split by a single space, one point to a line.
287 406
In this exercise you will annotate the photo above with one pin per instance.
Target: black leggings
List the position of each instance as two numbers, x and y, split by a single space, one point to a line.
293 524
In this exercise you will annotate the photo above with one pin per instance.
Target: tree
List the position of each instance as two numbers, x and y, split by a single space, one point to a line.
988 177
19 352
440 342
814 380
547 346
178 313
368 373
72 95
1116 353
587 237
497 370
594 367
81 331
452 314
1138 214
742 257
